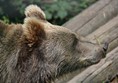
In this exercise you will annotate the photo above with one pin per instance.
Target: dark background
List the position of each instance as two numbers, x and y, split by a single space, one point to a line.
57 11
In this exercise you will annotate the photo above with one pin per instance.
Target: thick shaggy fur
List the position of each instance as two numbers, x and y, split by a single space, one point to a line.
39 52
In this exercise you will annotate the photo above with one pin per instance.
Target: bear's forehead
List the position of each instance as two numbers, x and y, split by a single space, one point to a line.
61 38
55 33
49 28
60 32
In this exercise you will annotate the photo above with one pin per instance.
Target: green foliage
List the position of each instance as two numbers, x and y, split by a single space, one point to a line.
57 11
5 19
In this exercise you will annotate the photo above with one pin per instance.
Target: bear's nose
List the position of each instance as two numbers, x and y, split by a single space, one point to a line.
105 46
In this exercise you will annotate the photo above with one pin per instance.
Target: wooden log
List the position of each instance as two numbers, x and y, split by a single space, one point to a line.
109 36
108 32
82 18
100 31
100 72
113 44
103 16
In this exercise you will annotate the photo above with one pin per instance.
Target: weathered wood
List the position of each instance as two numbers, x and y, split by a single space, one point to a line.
108 32
110 35
103 33
100 31
103 16
82 18
100 18
113 44
100 72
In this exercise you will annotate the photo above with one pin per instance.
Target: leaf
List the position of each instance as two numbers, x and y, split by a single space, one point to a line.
48 15
64 5
61 14
22 8
54 7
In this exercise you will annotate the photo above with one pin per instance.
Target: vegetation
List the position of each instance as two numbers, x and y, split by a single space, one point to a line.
57 11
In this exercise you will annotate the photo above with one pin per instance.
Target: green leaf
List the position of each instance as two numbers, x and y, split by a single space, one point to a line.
5 19
65 5
22 8
61 14
54 7
48 15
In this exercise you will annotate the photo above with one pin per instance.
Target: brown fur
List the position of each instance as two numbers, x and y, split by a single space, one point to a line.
40 52
33 30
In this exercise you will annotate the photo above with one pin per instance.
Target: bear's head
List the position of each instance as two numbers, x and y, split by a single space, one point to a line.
46 51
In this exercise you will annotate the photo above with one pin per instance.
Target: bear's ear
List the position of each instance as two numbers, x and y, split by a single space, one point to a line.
33 30
35 11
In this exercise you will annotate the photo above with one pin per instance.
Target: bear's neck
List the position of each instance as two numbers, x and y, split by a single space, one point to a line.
9 40
8 45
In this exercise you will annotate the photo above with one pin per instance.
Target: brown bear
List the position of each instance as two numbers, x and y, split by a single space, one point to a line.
39 52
